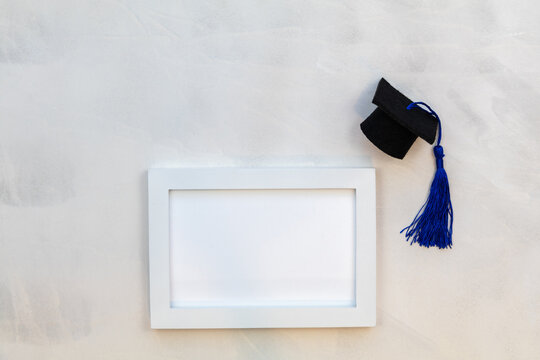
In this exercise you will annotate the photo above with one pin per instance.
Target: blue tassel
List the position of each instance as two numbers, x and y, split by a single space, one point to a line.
432 225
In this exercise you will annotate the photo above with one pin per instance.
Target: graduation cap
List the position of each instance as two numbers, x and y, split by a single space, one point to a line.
393 127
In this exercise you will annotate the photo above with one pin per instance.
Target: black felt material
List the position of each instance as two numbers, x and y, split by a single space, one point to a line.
387 135
393 128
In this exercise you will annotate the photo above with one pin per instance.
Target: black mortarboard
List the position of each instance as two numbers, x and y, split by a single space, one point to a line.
392 127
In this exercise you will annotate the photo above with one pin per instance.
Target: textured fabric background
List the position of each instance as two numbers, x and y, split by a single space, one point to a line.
93 93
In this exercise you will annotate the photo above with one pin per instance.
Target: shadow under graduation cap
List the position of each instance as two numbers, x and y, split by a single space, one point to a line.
392 127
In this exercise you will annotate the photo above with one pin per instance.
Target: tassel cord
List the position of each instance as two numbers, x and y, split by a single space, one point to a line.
432 112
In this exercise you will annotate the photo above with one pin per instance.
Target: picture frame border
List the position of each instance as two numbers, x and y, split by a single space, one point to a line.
162 181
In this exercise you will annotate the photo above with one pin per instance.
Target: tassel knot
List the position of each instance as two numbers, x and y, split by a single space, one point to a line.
439 154
438 151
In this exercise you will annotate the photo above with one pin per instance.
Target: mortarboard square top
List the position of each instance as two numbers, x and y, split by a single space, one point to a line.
392 127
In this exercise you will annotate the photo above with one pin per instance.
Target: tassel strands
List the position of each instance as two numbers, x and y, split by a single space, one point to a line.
432 225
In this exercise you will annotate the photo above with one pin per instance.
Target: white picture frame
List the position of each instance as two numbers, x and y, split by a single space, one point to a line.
170 193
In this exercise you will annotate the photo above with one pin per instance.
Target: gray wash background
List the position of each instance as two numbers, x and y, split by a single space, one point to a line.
93 93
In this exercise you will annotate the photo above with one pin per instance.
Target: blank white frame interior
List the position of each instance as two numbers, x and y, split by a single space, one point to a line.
259 248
